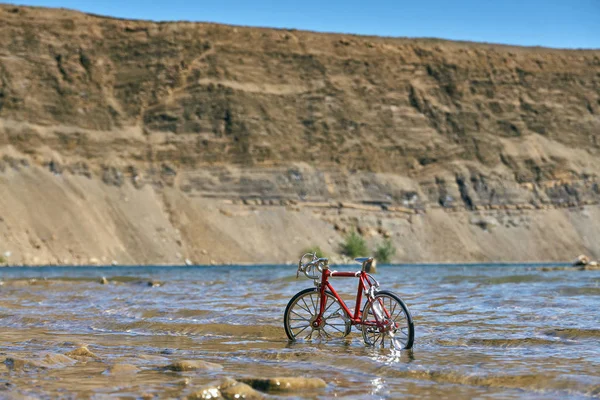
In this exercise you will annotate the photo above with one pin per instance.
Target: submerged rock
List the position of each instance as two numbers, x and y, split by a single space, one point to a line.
21 364
118 370
227 389
232 389
284 384
574 333
192 365
51 360
55 360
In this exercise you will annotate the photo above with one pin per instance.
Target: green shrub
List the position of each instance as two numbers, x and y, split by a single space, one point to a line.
2 260
385 251
355 246
315 249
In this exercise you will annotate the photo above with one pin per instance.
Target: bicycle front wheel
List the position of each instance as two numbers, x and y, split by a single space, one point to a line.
302 311
386 322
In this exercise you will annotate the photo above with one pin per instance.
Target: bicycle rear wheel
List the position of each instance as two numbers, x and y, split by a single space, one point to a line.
387 322
303 309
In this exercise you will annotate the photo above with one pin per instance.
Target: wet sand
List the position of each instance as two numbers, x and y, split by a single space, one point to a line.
508 332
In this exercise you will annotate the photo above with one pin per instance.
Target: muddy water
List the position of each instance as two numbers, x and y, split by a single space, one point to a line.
481 331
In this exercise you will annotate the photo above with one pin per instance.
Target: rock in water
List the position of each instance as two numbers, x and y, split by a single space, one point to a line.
227 389
21 364
82 351
120 370
284 384
53 360
192 365
581 260
231 389
50 360
592 266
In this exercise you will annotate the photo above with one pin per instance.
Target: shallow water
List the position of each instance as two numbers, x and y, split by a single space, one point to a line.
481 331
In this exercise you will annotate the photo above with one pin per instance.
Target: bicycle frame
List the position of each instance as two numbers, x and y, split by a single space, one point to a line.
365 282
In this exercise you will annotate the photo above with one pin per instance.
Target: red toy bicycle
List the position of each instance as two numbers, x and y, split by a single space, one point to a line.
320 313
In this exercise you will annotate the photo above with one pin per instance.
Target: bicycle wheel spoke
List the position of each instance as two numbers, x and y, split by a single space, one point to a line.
375 339
302 330
333 313
394 316
313 303
302 308
299 326
327 308
299 319
306 306
392 308
310 335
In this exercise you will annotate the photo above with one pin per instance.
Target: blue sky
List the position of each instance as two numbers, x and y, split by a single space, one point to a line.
552 23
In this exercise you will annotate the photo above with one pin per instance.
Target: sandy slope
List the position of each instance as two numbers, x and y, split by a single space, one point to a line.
69 219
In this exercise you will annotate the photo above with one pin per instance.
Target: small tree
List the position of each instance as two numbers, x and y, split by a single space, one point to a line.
355 246
315 249
385 251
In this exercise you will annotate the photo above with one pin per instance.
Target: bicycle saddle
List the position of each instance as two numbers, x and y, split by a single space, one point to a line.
361 260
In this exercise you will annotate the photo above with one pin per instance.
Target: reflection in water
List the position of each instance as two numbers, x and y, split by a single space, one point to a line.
392 356
505 332
378 385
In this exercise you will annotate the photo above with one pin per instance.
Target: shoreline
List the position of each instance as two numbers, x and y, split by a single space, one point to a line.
279 265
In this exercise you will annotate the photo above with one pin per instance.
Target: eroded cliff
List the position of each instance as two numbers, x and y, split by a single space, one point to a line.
166 141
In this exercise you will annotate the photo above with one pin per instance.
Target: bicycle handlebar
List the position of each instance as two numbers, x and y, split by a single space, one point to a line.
312 269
